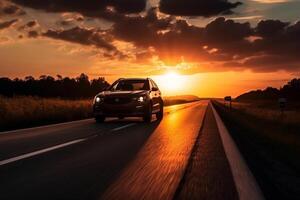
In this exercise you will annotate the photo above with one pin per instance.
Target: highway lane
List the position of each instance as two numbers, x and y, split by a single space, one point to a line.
18 142
151 155
159 166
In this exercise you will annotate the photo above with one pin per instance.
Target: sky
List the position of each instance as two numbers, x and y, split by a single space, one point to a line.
209 48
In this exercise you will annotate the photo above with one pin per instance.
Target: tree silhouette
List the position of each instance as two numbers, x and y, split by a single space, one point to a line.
47 86
291 91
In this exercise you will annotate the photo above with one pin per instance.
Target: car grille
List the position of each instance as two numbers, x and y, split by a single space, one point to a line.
117 100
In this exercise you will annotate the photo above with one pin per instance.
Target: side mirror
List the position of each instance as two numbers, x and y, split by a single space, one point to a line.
154 89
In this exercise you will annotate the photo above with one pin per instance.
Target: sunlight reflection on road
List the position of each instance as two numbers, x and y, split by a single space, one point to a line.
159 166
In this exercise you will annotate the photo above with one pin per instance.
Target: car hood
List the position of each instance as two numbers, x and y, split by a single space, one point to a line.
121 93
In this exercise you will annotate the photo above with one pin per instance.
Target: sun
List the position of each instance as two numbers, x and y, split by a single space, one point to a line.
171 82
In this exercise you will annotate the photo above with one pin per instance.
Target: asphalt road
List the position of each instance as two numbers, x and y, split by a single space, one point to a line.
119 159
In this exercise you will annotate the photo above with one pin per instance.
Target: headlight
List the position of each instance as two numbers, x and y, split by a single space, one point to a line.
98 99
141 99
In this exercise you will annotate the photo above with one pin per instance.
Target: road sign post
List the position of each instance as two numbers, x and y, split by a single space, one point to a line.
228 98
282 105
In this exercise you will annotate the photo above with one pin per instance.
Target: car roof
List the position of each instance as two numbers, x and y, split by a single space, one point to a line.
134 79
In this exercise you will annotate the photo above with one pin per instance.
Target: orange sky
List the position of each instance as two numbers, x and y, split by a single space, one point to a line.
212 56
53 59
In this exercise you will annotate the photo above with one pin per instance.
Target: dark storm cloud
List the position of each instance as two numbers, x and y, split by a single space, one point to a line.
173 39
7 24
204 8
221 30
92 8
269 28
277 49
82 36
220 40
285 41
141 30
270 45
267 63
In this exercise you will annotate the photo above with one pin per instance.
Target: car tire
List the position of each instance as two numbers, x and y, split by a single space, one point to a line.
100 119
160 114
148 114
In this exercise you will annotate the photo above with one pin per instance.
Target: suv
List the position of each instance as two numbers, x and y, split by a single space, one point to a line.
130 97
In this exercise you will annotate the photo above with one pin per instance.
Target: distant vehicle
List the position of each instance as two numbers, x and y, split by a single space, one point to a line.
130 97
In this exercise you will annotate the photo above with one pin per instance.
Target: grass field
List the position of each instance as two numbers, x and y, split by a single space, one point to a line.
270 111
21 112
270 143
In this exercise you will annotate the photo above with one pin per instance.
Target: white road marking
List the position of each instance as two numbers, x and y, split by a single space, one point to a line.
10 160
245 182
51 126
122 127
28 155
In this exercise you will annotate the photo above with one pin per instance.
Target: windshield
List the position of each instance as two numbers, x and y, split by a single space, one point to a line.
130 85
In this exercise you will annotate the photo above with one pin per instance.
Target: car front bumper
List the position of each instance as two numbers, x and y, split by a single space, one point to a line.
133 109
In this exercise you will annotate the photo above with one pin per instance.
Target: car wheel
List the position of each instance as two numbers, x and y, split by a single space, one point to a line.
148 114
160 114
100 119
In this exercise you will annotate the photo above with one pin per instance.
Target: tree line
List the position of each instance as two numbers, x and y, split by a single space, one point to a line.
48 86
290 91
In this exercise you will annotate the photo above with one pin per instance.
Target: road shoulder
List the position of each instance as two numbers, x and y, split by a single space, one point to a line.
208 174
243 177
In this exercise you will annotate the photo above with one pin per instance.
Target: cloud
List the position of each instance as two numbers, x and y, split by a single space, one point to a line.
269 28
173 40
283 42
204 8
277 48
7 24
66 22
29 25
70 19
7 8
272 1
91 8
274 45
222 31
84 36
33 34
222 44
141 30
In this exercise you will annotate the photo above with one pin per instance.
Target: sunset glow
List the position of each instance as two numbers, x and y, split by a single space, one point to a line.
209 54
172 81
126 99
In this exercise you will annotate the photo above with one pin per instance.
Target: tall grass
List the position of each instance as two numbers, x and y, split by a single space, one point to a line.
270 111
21 112
270 146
